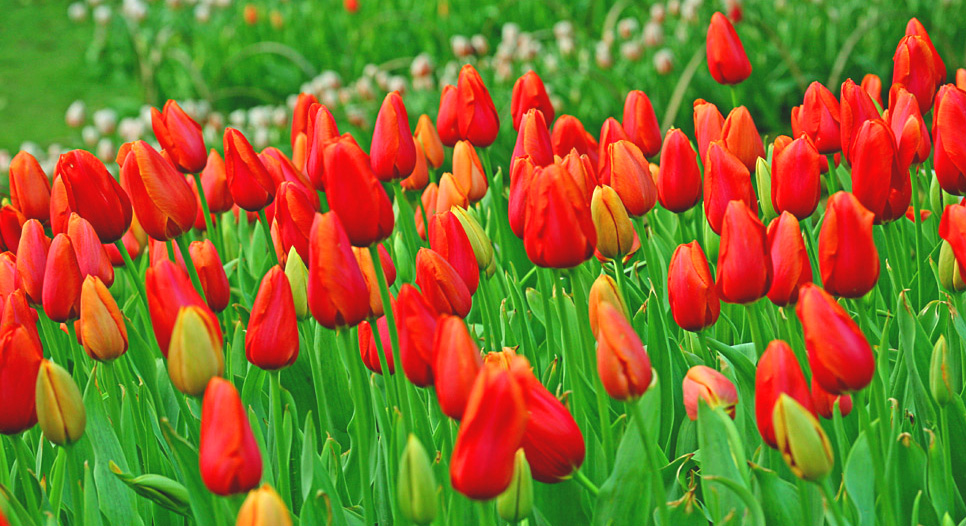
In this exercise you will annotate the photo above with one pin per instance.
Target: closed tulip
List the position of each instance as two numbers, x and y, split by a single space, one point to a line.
610 132
161 196
583 172
355 194
725 179
337 291
29 187
950 157
11 225
62 281
428 137
604 290
364 260
228 455
624 168
263 506
533 139
92 258
249 182
298 278
17 313
824 402
294 213
692 293
428 201
847 257
447 120
492 430
622 362
528 93
778 373
952 229
272 338
559 231
211 273
416 484
704 383
679 179
727 60
89 190
324 131
102 328
20 357
796 177
393 150
169 289
468 172
180 136
450 193
370 351
419 178
441 284
640 123
615 232
214 183
918 68
300 115
744 263
456 364
9 277
801 440
521 176
878 181
476 117
708 122
480 243
32 260
819 118
569 134
448 238
789 260
416 321
855 108
909 128
740 137
872 85
840 356
283 170
195 351
60 406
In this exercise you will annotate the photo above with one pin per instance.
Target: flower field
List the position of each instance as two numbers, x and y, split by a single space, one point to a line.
698 266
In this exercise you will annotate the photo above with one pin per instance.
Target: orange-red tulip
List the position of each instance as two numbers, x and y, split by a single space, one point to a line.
249 182
855 108
824 402
428 200
533 139
725 179
908 126
476 117
337 290
272 339
393 150
610 132
448 238
847 257
87 188
62 281
582 170
364 260
879 183
704 383
740 136
952 229
679 178
521 175
796 177
727 60
419 178
456 363
9 277
917 66
708 122
161 197
744 264
789 260
294 214
559 231
101 327
950 141
323 131
640 123
180 136
214 182
92 258
447 120
692 293
468 172
427 136
840 356
32 260
441 284
369 350
872 85
819 119
355 194
169 289
416 320
211 273
624 168
228 455
300 115
29 187
20 357
528 93
568 134
622 362
778 373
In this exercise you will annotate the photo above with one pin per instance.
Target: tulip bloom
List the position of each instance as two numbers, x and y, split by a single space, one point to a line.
60 407
640 123
918 68
20 357
744 264
92 258
272 339
615 232
624 168
32 260
102 329
521 175
427 136
88 189
604 290
441 284
847 257
789 260
909 128
16 313
622 362
370 351
840 356
324 131
251 186
778 373
610 132
228 455
195 353
263 506
725 179
708 122
819 119
952 229
29 187
796 177
214 183
161 197
879 183
569 134
294 213
679 178
447 120
740 137
492 430
872 85
855 108
727 60
583 172
449 239
691 290
420 176
476 117
824 402
355 194
62 281
416 321
364 260
337 291
180 136
559 231
393 150
211 273
169 289
529 92
428 201
300 116
468 172
450 193
533 140
950 157
456 363
704 383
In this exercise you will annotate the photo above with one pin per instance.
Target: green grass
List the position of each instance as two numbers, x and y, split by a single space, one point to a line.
43 70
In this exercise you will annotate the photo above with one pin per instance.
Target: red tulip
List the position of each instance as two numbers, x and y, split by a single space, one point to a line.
161 197
428 201
708 122
355 194
624 168
908 126
180 136
211 273
847 257
468 173
20 358
872 85
300 115
778 373
272 339
744 264
456 364
476 115
416 321
725 179
727 60
840 356
323 131
640 123
679 179
282 169
610 132
692 293
704 383
294 214
169 289
878 181
214 182
89 190
918 68
441 284
740 136
448 238
369 350
559 231
29 187
796 177
533 139
824 402
92 258
228 455
11 224
528 93
952 229
337 291
819 119
581 170
568 134
447 120
32 260
251 186
158 252
789 260
521 175
16 313
393 150
856 107
622 362
950 142
62 281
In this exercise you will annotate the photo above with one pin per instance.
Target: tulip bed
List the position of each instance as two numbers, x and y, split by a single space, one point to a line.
436 333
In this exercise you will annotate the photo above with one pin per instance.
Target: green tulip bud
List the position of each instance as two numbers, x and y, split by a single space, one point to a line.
195 352
940 381
60 406
482 248
403 259
416 487
949 275
167 493
298 278
801 440
763 178
516 503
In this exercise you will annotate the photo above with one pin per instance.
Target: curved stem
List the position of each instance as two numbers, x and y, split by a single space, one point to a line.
190 263
398 378
268 236
830 502
278 423
755 325
586 483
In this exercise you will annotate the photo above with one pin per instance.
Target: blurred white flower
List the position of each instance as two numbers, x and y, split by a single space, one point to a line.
105 120
461 46
632 50
76 114
602 55
330 79
5 159
105 150
480 45
89 135
663 61
673 7
260 139
627 27
280 116
509 32
237 118
421 66
563 29
397 83
77 12
653 34
134 10
102 15
566 46
130 129
657 12
202 13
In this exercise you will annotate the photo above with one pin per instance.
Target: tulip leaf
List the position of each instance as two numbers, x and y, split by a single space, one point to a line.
186 458
859 480
906 468
956 412
167 493
92 513
315 475
779 498
916 380
19 512
721 457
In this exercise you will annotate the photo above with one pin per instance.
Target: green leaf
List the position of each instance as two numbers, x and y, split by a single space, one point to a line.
92 513
167 493
860 480
723 458
779 498
186 456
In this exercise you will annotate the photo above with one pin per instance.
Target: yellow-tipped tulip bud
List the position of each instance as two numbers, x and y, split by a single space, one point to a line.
195 352
801 440
60 407
615 232
604 290
416 487
940 380
102 329
949 275
263 507
763 178
482 247
298 278
516 503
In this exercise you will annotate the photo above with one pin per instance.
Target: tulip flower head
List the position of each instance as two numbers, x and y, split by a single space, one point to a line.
801 440
715 389
60 406
272 338
102 328
679 179
622 362
228 456
180 136
393 150
559 230
744 263
727 60
529 92
87 188
847 256
778 373
476 116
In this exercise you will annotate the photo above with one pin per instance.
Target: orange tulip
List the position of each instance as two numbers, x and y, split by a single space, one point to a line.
610 132
441 284
92 259
161 197
624 168
476 115
419 178
214 182
468 172
533 139
704 383
364 260
725 179
428 200
101 328
692 293
428 137
559 231
622 362
87 188
180 136
228 455
847 257
29 187
582 170
740 136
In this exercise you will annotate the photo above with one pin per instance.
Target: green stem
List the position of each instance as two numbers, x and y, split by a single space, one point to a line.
734 97
650 444
325 418
209 226
918 220
947 454
23 465
620 277
133 274
755 325
586 483
278 424
268 236
832 176
362 419
190 264
830 502
486 317
399 378
57 481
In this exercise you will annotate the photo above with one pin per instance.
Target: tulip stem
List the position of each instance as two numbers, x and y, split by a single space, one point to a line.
913 173
133 274
619 276
399 378
278 423
361 423
754 324
826 488
209 225
660 493
734 96
190 264
268 236
57 481
587 484
832 175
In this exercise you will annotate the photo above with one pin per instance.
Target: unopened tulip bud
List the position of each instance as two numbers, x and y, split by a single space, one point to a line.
949 275
60 406
195 352
263 507
416 485
714 388
622 362
763 178
604 290
102 329
482 247
801 440
615 232
516 503
166 492
298 278
940 374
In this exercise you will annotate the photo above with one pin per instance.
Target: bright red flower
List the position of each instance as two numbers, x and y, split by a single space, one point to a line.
441 284
476 117
20 358
211 273
847 257
456 364
355 194
708 122
448 238
819 119
337 291
416 321
740 136
679 178
691 290
228 455
796 177
29 187
568 134
778 373
789 260
169 289
725 179
529 92
624 168
744 264
622 362
87 188
272 339
180 136
855 108
393 150
640 123
559 231
165 205
727 60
